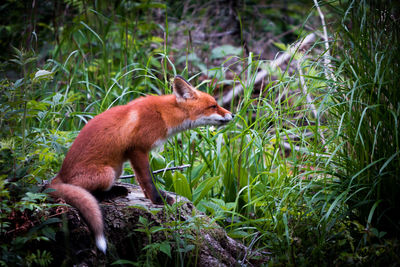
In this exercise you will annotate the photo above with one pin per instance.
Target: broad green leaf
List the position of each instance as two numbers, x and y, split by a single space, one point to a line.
33 104
181 185
156 39
198 172
166 248
281 46
42 75
203 188
225 50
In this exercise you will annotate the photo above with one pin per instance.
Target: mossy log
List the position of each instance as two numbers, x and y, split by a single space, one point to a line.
138 230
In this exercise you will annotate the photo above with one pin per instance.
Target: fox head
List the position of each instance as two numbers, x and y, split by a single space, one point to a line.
201 108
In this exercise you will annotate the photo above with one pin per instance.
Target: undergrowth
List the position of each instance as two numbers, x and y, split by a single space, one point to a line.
303 183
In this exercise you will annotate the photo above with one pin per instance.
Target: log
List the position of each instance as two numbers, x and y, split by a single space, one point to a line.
137 230
279 60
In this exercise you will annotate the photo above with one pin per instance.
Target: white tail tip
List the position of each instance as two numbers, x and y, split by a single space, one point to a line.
101 243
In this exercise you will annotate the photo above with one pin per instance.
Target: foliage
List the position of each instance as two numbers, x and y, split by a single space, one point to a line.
368 106
19 233
311 188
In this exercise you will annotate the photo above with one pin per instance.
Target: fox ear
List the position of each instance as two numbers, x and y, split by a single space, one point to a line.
182 89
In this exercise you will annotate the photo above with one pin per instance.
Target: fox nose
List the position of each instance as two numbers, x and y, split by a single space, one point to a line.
229 116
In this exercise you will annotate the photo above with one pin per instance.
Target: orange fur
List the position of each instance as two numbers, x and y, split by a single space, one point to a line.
129 132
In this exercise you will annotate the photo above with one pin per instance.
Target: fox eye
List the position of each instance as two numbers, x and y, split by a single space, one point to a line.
213 106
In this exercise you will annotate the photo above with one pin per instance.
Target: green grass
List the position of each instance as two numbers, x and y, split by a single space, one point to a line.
308 189
367 104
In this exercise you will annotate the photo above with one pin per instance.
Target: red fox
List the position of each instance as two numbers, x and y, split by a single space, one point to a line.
129 132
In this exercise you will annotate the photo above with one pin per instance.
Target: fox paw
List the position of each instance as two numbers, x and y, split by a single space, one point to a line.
162 199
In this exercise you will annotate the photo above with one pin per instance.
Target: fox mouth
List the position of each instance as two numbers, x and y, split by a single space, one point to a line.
224 121
227 118
214 119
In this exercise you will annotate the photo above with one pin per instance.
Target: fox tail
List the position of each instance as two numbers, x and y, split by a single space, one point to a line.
87 204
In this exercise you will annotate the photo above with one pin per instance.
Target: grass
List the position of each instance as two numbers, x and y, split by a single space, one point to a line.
367 104
311 188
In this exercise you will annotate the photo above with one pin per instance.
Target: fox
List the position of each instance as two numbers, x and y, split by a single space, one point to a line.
129 132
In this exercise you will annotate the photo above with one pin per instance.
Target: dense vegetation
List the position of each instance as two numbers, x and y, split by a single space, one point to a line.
308 173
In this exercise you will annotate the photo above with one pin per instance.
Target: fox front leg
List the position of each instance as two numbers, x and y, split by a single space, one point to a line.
140 164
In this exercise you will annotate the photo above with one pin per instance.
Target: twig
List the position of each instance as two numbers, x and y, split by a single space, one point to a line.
160 170
293 136
220 34
327 60
304 89
36 222
236 90
247 249
303 150
293 49
309 100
